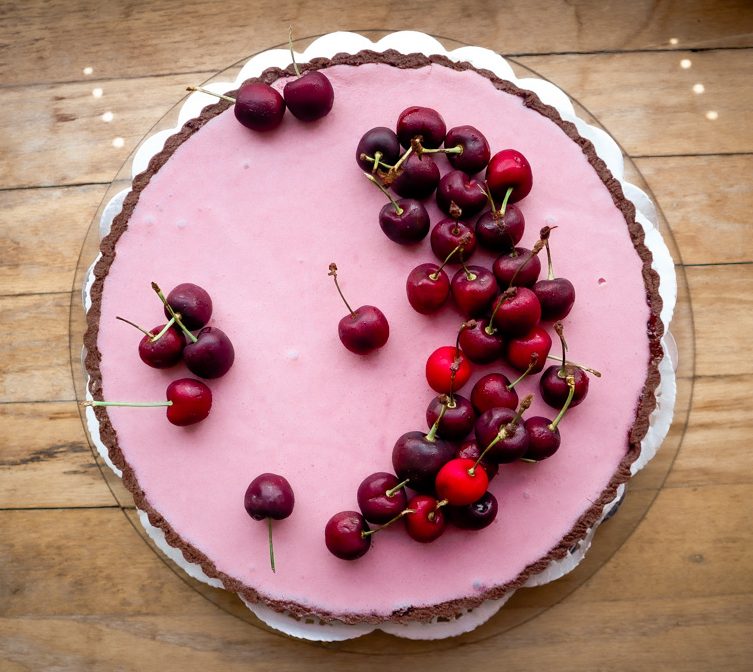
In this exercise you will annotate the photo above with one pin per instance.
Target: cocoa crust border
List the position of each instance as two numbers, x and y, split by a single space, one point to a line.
646 403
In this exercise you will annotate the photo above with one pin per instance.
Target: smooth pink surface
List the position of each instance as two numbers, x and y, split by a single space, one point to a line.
256 219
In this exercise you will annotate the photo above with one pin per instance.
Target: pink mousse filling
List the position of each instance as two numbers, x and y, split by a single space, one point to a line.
256 219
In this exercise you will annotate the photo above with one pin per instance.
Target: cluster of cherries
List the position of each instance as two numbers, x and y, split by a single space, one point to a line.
503 307
207 354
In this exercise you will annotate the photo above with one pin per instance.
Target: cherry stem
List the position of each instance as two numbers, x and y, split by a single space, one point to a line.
135 404
509 293
432 435
503 207
402 160
376 160
391 492
298 74
578 366
460 246
165 329
398 209
525 404
433 514
570 395
271 546
561 333
501 436
143 331
536 249
550 272
173 314
404 512
457 149
531 364
211 93
469 275
333 273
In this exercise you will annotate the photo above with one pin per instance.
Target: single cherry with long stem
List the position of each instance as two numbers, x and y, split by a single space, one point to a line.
310 96
256 105
270 497
556 295
162 347
381 497
404 221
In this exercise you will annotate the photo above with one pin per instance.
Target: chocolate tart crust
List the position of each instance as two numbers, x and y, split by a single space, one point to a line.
646 403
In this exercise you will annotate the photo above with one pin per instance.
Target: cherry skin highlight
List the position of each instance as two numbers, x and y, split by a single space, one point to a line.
554 388
473 288
364 330
518 268
447 234
417 177
259 107
517 314
481 343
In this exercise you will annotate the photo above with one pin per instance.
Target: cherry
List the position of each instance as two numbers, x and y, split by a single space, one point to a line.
458 417
500 431
474 516
473 288
404 221
556 295
212 355
448 234
468 194
516 312
461 482
381 497
500 230
309 97
553 382
475 149
469 449
162 347
269 496
364 329
519 268
424 122
447 369
188 402
481 342
509 169
192 303
378 147
493 391
426 521
259 107
417 177
345 535
428 288
520 349
417 457
543 435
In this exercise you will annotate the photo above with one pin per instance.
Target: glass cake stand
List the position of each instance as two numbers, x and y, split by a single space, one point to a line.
526 604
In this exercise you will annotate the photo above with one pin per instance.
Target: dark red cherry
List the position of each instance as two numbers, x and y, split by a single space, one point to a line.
191 401
364 330
470 450
419 457
192 303
439 369
543 441
467 193
554 387
509 169
518 312
473 288
259 107
406 225
474 516
424 122
447 234
519 349
380 141
309 97
500 233
379 498
475 154
426 522
457 420
167 350
493 391
212 355
428 288
556 297
481 342
461 482
417 177
345 535
505 449
269 496
518 268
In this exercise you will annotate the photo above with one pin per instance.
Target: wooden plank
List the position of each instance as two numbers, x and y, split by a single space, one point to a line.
646 100
707 201
45 459
145 42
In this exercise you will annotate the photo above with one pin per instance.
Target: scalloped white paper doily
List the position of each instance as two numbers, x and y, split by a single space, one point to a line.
607 149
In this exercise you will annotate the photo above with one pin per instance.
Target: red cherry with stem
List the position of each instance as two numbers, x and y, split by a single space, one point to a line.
188 402
363 330
310 97
423 122
480 341
499 230
470 450
426 522
458 417
495 389
405 221
162 347
553 382
345 535
475 149
461 481
428 286
192 303
509 168
476 516
516 311
556 295
520 349
417 177
447 369
377 148
500 431
473 288
417 457
211 356
269 496
448 234
543 435
381 497
465 192
256 105
519 268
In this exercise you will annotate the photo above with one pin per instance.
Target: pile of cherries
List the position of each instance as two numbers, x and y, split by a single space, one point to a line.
442 475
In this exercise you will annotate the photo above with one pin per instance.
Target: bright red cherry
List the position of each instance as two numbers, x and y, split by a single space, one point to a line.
381 497
509 169
520 349
424 122
461 481
259 107
439 369
345 535
426 521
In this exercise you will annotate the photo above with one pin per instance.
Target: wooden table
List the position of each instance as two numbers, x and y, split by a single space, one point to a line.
82 83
